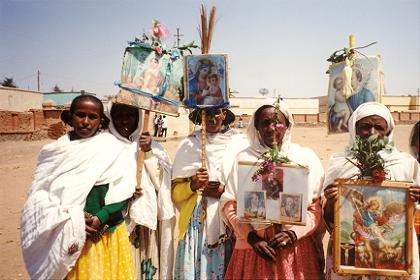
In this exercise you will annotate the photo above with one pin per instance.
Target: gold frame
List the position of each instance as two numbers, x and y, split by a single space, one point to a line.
409 211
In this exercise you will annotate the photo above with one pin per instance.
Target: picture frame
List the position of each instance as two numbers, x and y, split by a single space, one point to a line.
206 80
373 228
285 193
150 81
366 85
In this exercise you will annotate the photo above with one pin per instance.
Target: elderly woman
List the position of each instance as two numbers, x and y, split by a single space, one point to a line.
275 251
203 249
369 118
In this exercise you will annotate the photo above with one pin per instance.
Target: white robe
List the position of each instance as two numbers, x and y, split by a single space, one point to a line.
220 151
52 217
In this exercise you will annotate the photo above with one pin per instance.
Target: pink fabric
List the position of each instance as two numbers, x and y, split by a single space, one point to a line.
298 261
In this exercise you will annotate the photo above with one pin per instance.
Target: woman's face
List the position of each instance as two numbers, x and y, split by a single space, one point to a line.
372 125
203 72
214 120
86 118
125 119
267 129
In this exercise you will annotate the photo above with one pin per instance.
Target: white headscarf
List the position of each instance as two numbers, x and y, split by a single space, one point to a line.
257 144
369 109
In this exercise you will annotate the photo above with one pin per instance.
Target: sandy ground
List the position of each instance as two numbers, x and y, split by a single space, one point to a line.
17 163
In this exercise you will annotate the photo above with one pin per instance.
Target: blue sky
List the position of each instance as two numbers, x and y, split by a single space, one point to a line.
279 45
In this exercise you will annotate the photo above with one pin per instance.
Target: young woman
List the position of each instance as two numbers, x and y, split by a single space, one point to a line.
274 251
368 119
150 216
80 171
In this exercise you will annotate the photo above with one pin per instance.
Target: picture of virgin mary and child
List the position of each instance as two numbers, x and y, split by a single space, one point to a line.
205 80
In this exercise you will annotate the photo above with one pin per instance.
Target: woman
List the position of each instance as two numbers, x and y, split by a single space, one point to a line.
368 119
69 170
202 251
275 251
153 211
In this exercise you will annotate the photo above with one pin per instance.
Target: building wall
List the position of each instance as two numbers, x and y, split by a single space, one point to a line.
19 100
247 105
402 103
60 99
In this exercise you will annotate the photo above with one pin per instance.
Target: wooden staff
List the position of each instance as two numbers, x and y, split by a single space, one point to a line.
203 139
141 154
206 34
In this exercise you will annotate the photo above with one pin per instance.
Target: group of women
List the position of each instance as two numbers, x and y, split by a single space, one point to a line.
87 218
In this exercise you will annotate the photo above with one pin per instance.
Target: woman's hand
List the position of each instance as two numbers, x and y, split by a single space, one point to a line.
331 192
261 246
415 193
137 193
200 179
92 223
145 142
282 239
213 191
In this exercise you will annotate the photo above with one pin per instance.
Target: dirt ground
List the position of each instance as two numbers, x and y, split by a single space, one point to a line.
17 163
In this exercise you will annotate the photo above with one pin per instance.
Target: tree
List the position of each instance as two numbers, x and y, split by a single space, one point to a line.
57 89
8 82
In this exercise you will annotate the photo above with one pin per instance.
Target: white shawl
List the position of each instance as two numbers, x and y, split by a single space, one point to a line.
156 202
220 151
400 166
52 217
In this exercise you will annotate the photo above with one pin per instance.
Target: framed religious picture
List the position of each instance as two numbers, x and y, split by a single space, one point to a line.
151 81
206 80
347 90
281 193
373 233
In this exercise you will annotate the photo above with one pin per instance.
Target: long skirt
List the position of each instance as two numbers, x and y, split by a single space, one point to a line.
296 261
109 258
194 259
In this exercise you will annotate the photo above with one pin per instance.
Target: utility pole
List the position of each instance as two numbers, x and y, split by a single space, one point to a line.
38 80
178 36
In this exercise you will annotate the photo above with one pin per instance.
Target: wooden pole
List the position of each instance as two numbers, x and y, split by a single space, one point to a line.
141 154
203 138
352 41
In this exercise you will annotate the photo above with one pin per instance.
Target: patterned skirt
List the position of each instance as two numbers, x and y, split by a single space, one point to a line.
109 258
194 260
